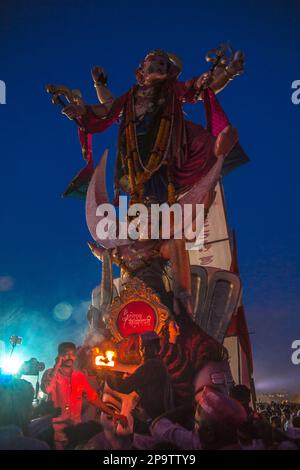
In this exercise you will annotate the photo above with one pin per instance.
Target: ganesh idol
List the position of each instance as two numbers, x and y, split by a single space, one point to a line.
160 154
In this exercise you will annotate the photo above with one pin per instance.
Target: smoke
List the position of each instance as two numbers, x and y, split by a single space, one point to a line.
41 331
93 338
6 283
285 381
10 316
80 311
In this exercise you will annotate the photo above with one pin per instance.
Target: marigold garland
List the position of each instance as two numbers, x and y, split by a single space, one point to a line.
139 174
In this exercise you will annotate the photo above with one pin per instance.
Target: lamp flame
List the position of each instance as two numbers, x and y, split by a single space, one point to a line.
105 360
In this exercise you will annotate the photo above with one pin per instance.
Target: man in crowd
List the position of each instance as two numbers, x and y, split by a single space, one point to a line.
16 397
66 387
242 394
217 419
151 381
114 437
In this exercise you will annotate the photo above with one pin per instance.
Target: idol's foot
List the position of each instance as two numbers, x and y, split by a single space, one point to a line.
226 140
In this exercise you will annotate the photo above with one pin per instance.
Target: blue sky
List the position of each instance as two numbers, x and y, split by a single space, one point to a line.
44 259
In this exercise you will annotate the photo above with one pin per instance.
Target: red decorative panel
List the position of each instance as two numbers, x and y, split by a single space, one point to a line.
136 317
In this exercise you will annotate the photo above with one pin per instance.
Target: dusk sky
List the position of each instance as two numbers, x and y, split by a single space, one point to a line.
44 259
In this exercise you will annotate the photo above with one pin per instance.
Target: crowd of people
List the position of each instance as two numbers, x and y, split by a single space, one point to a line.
137 412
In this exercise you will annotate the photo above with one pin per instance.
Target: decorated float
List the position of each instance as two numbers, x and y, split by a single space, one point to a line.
192 298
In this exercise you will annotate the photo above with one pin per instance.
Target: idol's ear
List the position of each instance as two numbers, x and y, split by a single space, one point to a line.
175 65
139 75
173 71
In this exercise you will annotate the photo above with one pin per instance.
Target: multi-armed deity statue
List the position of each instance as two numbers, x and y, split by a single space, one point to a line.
161 158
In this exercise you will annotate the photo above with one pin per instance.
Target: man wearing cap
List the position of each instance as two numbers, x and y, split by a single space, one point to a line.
151 380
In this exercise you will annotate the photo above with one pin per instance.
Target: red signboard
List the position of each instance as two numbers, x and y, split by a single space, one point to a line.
136 317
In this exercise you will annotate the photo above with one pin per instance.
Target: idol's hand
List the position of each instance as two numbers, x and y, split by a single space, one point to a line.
99 75
237 65
74 110
204 80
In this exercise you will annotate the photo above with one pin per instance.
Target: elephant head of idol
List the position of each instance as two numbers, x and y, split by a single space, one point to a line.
158 66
